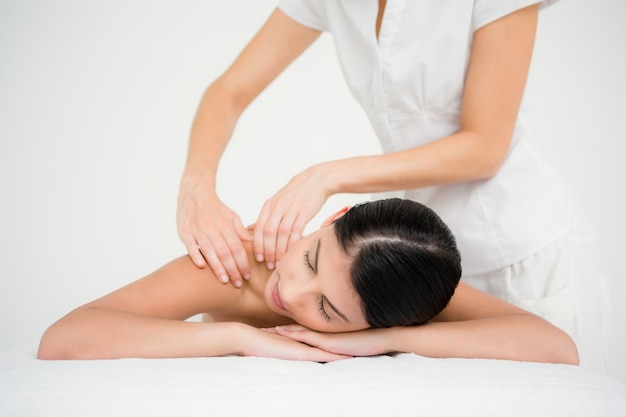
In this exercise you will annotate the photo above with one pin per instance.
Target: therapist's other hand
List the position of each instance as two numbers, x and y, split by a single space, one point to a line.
285 215
212 233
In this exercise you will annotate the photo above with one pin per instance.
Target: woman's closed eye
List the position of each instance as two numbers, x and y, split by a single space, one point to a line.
325 315
322 310
307 261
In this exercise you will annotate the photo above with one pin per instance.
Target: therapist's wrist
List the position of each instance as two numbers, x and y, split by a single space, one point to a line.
193 179
332 177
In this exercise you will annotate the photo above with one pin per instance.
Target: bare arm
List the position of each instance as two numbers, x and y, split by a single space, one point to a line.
498 68
474 325
202 218
145 319
497 73
478 325
275 46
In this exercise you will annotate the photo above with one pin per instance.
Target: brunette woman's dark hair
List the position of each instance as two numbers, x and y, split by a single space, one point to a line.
406 264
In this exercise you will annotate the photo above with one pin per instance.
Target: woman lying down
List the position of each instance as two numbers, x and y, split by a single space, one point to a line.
380 277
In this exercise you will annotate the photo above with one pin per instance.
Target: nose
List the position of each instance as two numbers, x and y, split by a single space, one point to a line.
295 292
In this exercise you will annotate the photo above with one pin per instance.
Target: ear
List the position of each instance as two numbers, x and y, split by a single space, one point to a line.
335 216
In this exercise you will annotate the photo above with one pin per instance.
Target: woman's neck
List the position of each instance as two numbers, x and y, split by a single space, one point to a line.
251 307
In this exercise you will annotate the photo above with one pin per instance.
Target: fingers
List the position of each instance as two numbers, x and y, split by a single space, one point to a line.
313 341
227 258
275 233
258 242
318 355
289 232
194 251
216 264
291 327
212 233
219 245
366 342
273 344
301 334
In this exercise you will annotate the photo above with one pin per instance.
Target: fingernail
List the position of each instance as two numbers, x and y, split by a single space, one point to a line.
224 279
259 257
270 265
237 283
246 277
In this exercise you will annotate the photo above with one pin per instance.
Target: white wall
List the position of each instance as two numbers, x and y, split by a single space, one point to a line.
96 100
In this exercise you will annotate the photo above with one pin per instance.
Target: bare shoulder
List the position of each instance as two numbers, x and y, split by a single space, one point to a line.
179 290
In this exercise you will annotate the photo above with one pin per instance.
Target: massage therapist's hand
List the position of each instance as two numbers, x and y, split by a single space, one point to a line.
266 343
367 342
285 215
212 233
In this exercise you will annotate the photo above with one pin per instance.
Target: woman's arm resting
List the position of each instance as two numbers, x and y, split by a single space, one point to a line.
101 333
474 325
145 319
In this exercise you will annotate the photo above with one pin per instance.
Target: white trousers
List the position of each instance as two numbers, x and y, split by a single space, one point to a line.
565 283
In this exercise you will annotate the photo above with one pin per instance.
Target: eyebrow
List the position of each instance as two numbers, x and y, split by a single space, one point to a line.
335 309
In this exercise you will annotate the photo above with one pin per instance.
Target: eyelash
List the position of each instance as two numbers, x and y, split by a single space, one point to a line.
321 308
307 263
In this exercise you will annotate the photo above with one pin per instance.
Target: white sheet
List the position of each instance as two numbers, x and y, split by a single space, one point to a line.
400 385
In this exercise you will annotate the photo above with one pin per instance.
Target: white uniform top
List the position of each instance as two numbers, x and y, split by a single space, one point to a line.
410 83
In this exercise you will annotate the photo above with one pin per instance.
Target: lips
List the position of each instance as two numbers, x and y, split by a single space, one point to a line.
276 298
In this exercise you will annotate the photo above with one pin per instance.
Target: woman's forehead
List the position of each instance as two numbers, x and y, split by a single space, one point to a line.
334 267
329 254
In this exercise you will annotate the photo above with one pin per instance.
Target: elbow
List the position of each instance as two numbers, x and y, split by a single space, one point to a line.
568 354
486 154
230 94
567 358
491 161
559 348
56 343
547 343
572 359
49 346
490 167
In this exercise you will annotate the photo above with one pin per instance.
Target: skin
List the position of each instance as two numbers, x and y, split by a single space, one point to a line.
213 234
147 317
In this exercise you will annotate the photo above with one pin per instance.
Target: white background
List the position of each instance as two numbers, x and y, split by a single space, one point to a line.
96 101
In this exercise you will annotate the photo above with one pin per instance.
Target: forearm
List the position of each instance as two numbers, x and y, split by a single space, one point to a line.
99 333
461 157
211 130
496 78
517 337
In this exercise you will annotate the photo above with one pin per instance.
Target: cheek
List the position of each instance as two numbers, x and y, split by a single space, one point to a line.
310 317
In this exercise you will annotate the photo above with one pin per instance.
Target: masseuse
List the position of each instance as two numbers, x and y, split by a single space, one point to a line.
443 84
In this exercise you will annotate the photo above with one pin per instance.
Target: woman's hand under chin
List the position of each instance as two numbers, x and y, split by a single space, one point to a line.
268 343
368 342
